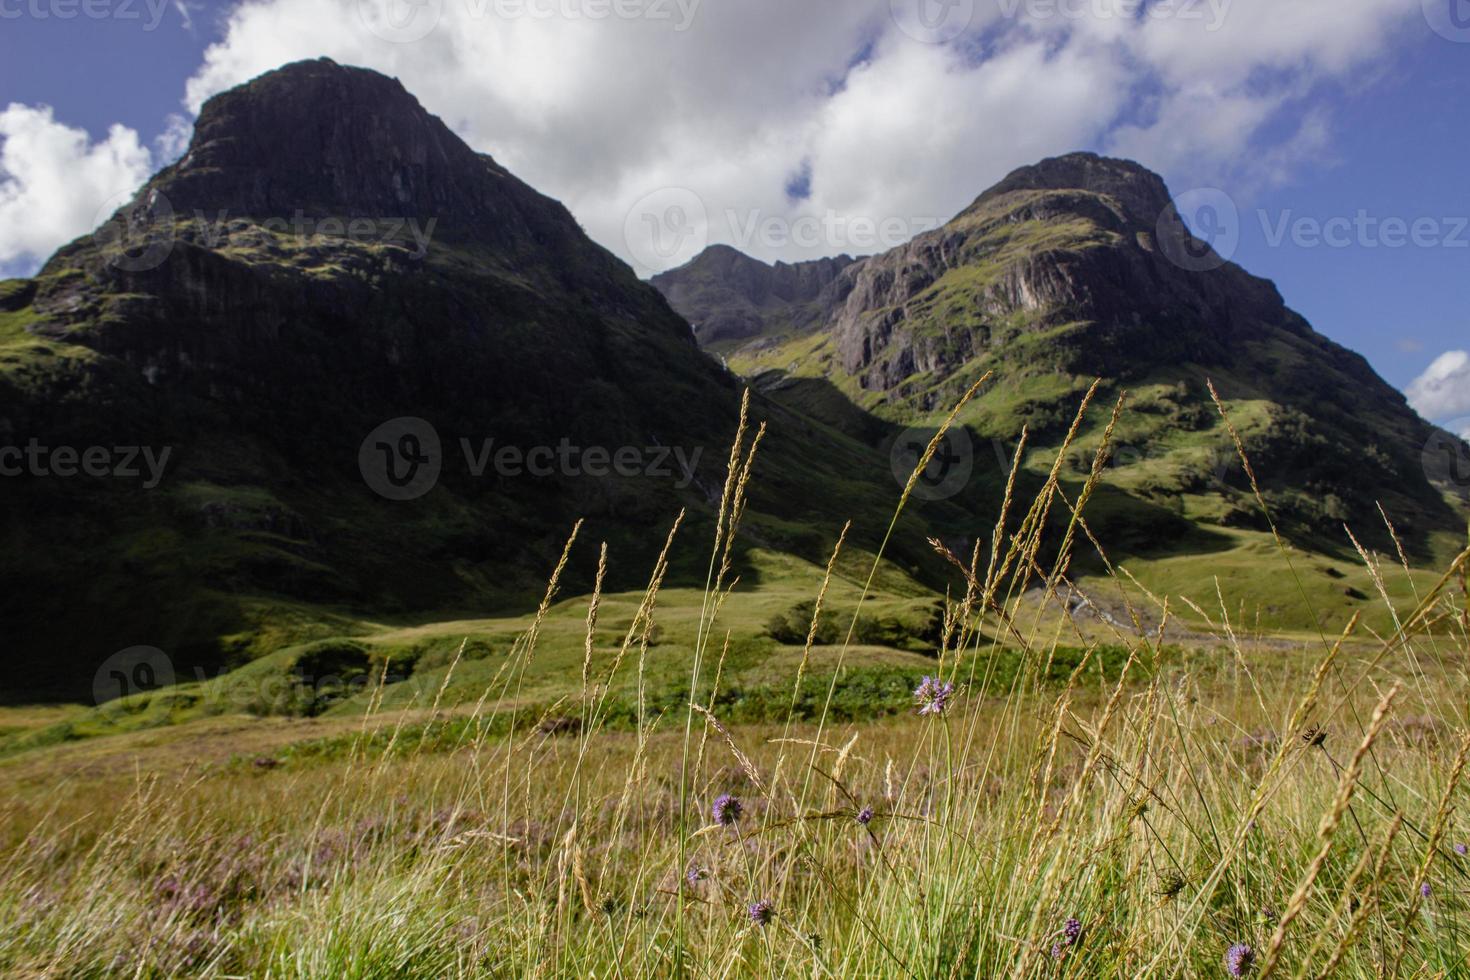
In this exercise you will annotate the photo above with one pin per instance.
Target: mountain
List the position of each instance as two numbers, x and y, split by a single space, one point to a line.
729 297
269 398
1076 268
335 372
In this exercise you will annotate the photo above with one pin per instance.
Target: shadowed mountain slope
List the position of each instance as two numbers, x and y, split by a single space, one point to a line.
325 259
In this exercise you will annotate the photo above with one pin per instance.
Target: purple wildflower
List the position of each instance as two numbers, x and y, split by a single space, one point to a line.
762 912
1425 890
695 875
865 816
932 696
1462 850
1239 960
1071 932
727 810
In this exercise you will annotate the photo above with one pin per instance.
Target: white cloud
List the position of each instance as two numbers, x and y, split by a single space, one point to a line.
1220 90
1289 37
54 179
1443 390
601 113
920 132
604 112
170 144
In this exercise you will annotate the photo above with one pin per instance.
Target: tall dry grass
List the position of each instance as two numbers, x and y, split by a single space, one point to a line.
1291 816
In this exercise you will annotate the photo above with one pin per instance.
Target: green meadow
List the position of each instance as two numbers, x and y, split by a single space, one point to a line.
1249 762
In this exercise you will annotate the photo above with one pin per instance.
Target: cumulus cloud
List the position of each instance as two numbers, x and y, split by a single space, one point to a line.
799 129
1229 72
54 180
729 101
1443 390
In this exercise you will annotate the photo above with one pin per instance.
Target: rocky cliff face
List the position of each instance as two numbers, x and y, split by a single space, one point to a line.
1070 240
325 139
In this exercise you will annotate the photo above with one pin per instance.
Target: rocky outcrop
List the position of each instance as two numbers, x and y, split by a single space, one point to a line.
1070 240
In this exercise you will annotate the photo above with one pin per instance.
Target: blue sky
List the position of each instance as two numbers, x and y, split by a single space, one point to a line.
1298 110
1402 149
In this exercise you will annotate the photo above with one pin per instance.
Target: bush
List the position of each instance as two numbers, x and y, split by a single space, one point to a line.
918 632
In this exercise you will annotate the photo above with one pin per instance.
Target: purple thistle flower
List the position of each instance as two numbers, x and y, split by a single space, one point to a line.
932 696
762 912
1462 850
865 816
727 810
1239 959
1425 890
1072 931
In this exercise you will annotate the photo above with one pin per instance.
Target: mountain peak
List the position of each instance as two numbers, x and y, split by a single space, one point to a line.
322 138
729 296
720 255
1142 193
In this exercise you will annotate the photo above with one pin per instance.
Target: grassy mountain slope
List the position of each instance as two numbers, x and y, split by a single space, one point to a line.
1073 270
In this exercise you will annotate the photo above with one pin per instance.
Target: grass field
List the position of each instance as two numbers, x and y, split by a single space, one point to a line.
679 782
